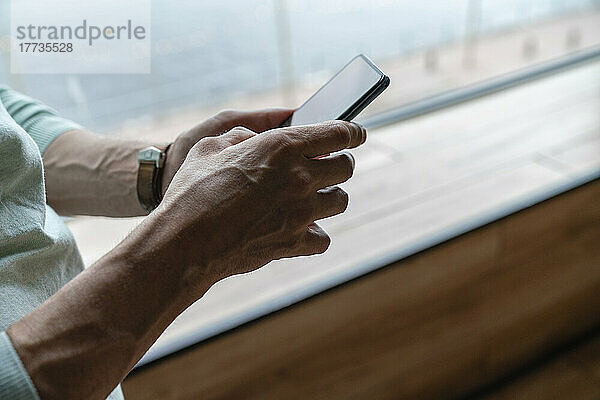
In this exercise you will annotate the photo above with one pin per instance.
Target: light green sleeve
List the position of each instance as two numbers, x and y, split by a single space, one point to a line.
15 383
40 121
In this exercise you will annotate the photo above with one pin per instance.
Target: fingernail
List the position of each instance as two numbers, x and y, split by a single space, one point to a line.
359 125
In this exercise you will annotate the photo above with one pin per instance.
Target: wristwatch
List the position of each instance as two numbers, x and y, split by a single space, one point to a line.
151 161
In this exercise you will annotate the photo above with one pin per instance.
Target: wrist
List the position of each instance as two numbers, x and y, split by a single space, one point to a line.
155 249
174 157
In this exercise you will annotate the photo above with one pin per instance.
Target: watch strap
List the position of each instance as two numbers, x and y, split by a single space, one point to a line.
149 183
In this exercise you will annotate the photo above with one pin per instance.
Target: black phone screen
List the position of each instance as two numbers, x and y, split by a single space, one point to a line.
342 94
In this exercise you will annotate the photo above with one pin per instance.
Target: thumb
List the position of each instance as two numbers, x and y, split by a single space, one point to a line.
237 135
262 120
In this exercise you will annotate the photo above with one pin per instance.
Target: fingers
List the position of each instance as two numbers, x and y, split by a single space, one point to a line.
328 137
331 170
258 120
314 241
263 120
329 202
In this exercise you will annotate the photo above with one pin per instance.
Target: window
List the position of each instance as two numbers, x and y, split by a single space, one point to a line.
250 54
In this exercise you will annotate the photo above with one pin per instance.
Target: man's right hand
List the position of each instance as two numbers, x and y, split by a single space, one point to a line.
238 201
243 199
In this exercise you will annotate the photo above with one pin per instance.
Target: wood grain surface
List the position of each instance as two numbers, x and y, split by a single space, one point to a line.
441 324
571 374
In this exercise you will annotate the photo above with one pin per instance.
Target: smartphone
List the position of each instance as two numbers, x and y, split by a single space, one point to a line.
344 96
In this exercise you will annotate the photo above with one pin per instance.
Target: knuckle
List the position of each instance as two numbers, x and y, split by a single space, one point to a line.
210 141
279 143
301 180
239 129
294 138
341 132
274 139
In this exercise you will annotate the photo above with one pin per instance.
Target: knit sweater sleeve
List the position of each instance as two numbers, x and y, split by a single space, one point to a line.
40 121
14 381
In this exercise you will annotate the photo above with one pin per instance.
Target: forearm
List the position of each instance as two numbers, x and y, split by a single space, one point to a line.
89 174
85 173
83 340
238 201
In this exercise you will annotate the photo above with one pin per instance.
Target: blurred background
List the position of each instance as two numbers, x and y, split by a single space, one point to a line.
415 178
207 55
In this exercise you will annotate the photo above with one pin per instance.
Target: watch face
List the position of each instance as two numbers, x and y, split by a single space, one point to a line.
150 154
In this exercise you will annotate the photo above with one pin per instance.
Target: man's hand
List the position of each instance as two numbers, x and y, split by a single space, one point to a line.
238 201
257 121
243 199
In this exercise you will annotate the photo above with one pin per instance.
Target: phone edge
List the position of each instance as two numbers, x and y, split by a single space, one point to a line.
358 105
